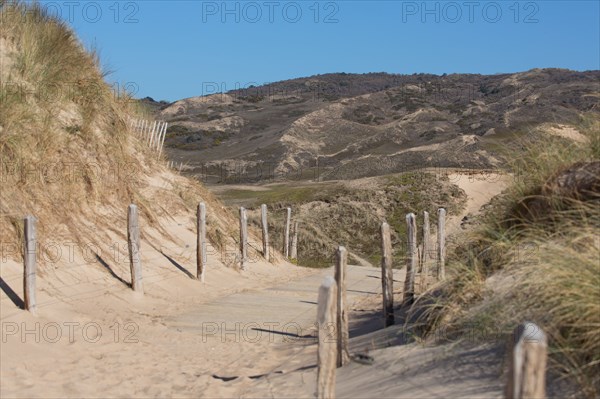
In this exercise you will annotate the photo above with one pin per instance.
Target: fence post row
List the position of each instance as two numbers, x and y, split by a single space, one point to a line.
243 238
30 269
387 275
327 350
411 261
265 231
343 356
152 133
133 240
201 242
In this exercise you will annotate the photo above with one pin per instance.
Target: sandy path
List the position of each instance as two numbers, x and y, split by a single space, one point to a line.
184 339
266 331
469 369
166 343
480 189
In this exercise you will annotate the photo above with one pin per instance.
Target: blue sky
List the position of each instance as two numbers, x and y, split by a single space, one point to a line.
175 49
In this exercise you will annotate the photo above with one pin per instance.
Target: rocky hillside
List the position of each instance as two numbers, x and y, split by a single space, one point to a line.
342 126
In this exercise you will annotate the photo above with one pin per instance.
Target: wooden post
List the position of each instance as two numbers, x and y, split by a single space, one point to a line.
286 238
441 245
343 355
243 237
155 132
133 240
152 132
29 274
148 132
265 231
387 275
144 134
162 141
326 355
159 136
411 260
425 251
527 363
294 250
201 242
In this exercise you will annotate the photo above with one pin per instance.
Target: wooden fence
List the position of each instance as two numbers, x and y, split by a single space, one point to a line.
152 133
528 347
290 251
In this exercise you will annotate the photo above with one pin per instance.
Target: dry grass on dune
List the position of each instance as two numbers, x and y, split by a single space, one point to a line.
66 153
536 256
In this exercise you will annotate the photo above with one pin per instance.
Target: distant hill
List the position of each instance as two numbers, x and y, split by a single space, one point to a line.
351 125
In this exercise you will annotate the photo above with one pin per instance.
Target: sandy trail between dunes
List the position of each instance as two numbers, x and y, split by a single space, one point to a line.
242 334
480 189
169 349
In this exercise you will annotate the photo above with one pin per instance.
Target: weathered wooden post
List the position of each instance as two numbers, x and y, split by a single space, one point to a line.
30 267
411 260
265 231
441 250
152 132
142 129
201 242
527 363
162 141
133 240
286 238
327 351
343 355
157 136
425 252
294 250
145 129
387 275
243 238
149 130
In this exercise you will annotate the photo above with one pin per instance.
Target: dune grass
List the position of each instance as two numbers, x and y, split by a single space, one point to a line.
67 155
541 266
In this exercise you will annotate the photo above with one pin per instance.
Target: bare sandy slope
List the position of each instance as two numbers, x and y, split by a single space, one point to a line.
480 189
241 334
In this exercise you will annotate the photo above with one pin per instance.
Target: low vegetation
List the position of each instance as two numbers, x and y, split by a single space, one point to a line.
349 213
535 256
